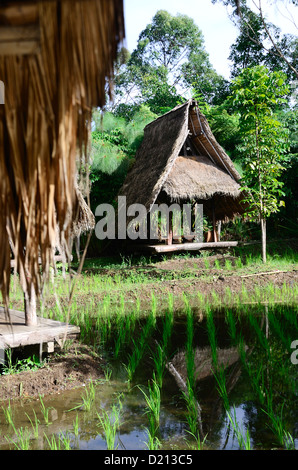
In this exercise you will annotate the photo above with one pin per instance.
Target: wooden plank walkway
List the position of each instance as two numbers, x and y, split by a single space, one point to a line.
17 334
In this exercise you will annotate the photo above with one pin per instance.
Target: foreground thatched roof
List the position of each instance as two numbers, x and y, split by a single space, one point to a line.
56 58
163 165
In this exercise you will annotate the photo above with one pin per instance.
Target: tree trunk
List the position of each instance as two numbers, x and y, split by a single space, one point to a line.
30 307
263 230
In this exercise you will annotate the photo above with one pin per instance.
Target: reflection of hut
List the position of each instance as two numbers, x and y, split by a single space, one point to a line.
228 359
180 161
203 361
55 59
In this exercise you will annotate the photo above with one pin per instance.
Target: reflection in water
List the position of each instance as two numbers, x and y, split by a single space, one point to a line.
236 363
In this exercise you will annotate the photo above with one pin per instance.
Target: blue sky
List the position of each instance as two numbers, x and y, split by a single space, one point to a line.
218 30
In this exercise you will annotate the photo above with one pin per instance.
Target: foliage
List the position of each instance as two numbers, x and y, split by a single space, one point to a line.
114 144
21 365
256 93
252 46
259 42
169 58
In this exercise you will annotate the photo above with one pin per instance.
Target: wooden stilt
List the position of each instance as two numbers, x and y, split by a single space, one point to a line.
169 239
30 307
214 222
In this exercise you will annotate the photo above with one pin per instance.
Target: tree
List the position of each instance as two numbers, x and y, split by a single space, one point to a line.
170 57
263 36
256 93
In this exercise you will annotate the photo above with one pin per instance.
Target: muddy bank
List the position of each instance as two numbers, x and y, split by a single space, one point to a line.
62 371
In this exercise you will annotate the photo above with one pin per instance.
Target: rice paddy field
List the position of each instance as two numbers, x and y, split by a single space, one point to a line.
195 353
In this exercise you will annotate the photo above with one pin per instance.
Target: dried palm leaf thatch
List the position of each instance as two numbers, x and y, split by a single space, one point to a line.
198 178
45 122
84 220
180 159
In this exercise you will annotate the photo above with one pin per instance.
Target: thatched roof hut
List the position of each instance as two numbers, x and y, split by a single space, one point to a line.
180 156
56 58
180 160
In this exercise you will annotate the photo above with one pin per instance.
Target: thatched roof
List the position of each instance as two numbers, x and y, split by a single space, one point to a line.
180 157
56 58
198 178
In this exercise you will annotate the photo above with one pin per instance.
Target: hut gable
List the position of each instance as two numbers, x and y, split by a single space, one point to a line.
180 158
163 139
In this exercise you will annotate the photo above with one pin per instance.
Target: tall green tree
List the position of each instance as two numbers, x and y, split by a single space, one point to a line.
169 59
256 93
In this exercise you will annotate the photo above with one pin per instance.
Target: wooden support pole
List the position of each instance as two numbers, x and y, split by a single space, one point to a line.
214 222
169 239
2 353
30 307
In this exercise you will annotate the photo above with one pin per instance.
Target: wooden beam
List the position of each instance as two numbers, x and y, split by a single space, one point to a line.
182 247
17 14
19 40
19 47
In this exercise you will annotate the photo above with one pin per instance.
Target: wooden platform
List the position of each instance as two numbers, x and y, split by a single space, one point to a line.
17 334
160 248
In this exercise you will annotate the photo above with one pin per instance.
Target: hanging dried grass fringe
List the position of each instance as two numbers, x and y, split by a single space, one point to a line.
45 124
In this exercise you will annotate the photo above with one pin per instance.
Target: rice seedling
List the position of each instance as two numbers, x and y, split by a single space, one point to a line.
76 428
62 442
190 352
140 346
232 330
153 442
216 264
199 442
278 427
7 410
244 439
45 411
212 337
220 378
88 398
279 330
153 402
207 263
260 334
22 441
52 443
110 424
193 410
159 363
35 424
120 336
228 264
